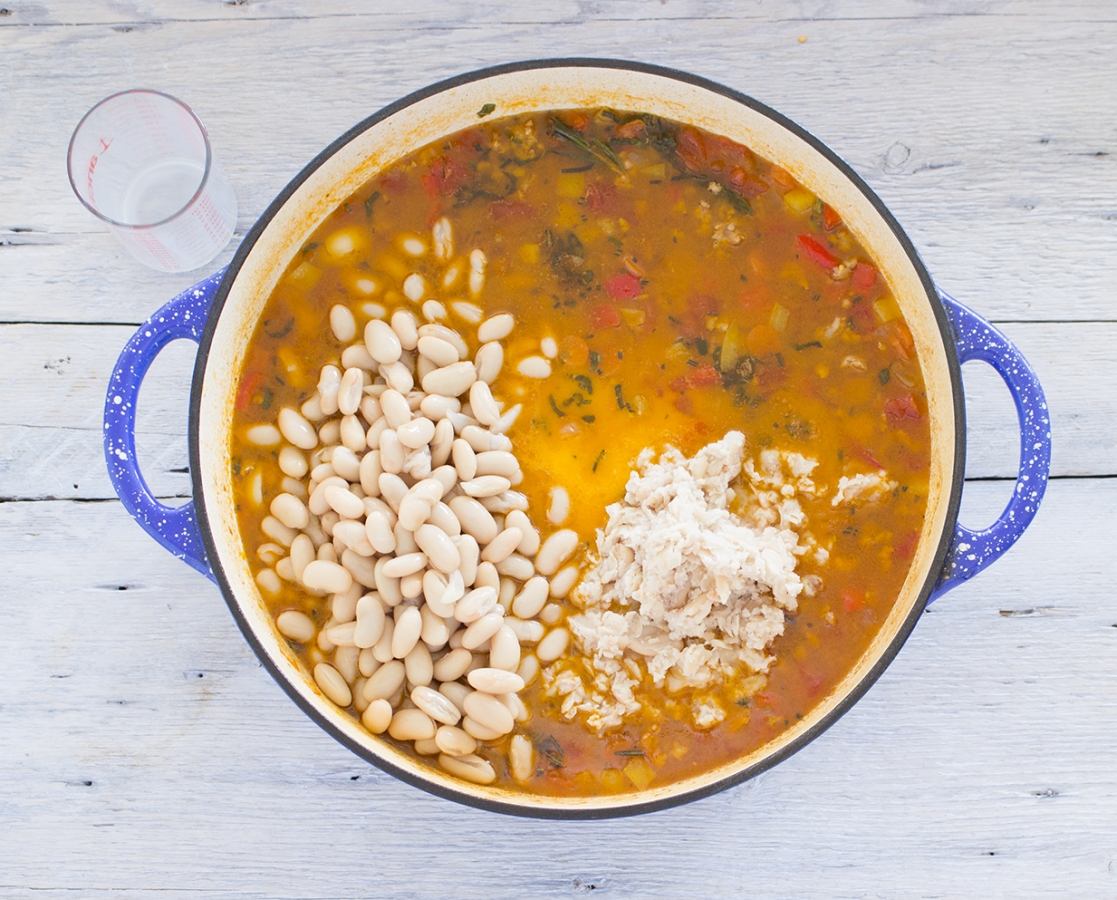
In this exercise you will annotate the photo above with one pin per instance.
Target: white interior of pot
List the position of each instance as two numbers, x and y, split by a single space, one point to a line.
515 93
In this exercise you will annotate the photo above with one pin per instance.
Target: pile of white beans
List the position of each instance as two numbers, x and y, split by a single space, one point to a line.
398 506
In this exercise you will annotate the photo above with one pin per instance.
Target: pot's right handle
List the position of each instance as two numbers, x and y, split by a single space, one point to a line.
972 551
175 527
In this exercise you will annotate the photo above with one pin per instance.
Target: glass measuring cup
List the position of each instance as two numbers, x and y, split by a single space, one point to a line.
141 162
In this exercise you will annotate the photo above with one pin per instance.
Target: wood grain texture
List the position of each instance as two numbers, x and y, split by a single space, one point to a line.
155 756
143 750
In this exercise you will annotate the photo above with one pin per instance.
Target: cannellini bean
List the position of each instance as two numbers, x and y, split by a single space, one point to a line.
418 666
502 546
452 380
560 506
550 614
440 352
507 592
477 261
454 741
386 586
435 632
318 504
515 706
555 551
343 607
349 393
468 767
382 649
413 246
411 586
564 581
368 664
443 517
434 329
353 435
346 464
495 328
529 543
385 681
414 287
487 710
465 459
393 489
382 342
485 408
553 645
495 681
411 725
433 311
377 716
416 433
470 553
377 428
303 553
404 564
549 347
395 408
329 382
477 438
398 376
392 452
370 472
521 757
438 706
475 604
527 631
489 361
332 684
485 485
342 323
298 626
406 328
531 599
311 410
443 236
370 407
357 355
504 650
435 406
263 435
453 665
370 621
534 367
290 510
296 429
342 635
409 625
504 502
330 577
516 566
482 629
528 669
471 312
417 463
497 462
487 576
440 550
343 501
442 442
353 535
447 477
292 462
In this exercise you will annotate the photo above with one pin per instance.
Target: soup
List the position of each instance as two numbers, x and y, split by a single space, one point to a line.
488 360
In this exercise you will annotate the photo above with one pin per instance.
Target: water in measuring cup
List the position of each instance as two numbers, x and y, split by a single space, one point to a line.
160 190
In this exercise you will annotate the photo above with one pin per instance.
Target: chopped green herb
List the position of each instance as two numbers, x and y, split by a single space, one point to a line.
600 456
235 464
738 201
702 346
552 750
744 701
807 344
373 197
266 402
485 110
555 406
628 753
598 151
348 208
884 376
308 248
619 391
589 420
584 383
692 362
282 331
574 169
595 359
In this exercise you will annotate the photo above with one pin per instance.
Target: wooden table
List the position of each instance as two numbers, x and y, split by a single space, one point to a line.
143 750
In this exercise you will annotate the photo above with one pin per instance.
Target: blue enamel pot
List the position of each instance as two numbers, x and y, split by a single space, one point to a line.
221 312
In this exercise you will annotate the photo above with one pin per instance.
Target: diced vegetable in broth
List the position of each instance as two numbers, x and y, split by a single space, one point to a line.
454 380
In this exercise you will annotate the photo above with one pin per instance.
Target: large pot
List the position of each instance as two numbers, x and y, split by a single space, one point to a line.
221 312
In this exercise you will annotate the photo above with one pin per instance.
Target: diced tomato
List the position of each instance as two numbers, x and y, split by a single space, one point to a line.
864 318
730 153
771 377
604 316
446 176
865 454
904 545
744 183
852 600
576 120
899 408
509 210
599 197
813 682
830 218
678 384
901 340
247 389
782 177
624 286
703 376
864 277
816 252
632 129
691 149
684 405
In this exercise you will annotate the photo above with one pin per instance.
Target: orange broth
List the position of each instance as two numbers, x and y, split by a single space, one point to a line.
692 288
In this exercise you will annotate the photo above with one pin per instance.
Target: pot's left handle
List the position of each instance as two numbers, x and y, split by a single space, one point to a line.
971 551
175 527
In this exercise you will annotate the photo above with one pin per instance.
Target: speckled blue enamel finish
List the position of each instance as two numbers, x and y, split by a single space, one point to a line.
972 551
176 528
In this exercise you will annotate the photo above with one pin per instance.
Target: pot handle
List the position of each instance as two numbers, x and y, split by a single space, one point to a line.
972 551
175 527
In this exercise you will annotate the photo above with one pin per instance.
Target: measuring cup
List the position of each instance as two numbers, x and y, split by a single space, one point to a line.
141 162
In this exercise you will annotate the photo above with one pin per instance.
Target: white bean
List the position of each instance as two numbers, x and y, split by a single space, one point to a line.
406 329
489 361
504 502
377 716
440 352
300 627
386 586
370 473
264 436
529 544
370 621
475 604
393 489
362 568
447 477
487 576
435 406
534 367
495 328
411 725
433 311
353 435
358 355
392 452
405 564
440 550
447 334
564 581
382 342
497 462
352 534
329 382
409 625
469 311
516 566
385 681
495 681
443 517
555 551
465 459
482 629
486 710
485 408
290 510
343 501
437 706
521 757
468 767
527 631
398 376
293 463
485 485
342 635
330 577
296 429
549 347
453 665
531 599
416 433
470 553
443 236
553 645
477 261
454 741
395 408
502 546
528 669
560 506
332 684
417 664
452 380
550 614
504 650
435 631
414 287
342 323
